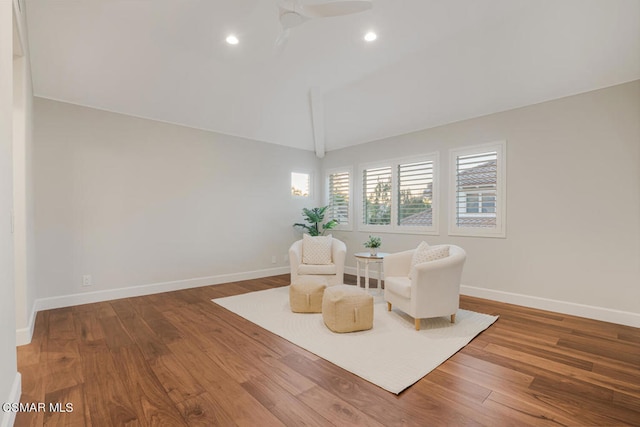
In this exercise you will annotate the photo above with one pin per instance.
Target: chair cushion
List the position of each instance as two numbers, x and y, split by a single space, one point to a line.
399 285
317 269
316 250
418 255
425 253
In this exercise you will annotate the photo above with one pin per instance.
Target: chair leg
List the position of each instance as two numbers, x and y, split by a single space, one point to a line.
453 318
417 324
388 306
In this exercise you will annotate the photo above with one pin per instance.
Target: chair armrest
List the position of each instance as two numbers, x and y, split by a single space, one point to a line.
295 259
338 252
338 256
438 280
443 265
397 264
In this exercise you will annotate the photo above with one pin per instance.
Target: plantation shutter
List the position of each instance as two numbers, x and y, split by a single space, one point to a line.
415 194
477 190
339 197
376 206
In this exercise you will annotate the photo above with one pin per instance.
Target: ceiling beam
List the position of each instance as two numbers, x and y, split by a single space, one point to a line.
18 31
317 120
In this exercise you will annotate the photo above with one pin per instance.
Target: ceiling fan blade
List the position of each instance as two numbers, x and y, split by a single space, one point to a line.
335 8
290 18
281 41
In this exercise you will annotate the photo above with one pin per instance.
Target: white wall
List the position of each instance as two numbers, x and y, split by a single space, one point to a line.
573 206
9 379
135 202
23 203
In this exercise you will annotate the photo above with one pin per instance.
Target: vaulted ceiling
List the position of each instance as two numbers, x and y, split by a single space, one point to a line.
434 62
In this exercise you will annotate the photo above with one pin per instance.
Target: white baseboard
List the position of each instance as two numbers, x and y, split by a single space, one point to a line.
9 417
565 307
373 271
24 335
154 288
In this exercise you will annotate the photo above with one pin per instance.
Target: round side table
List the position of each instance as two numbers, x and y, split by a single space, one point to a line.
367 258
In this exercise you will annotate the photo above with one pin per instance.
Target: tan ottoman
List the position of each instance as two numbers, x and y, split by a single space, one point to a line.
306 296
347 309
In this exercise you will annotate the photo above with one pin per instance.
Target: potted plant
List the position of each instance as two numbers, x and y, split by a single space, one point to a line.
373 244
315 219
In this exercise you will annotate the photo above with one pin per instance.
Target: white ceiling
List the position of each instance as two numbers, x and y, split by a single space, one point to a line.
435 62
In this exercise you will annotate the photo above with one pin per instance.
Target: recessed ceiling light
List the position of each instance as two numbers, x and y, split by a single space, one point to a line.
231 39
370 36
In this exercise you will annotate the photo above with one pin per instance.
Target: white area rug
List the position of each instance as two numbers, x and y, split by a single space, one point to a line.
392 355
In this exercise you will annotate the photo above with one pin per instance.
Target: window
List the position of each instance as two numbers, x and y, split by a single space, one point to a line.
400 196
376 206
415 194
339 197
481 202
477 191
300 184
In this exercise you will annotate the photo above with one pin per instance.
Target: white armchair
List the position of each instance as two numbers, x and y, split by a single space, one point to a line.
331 273
433 289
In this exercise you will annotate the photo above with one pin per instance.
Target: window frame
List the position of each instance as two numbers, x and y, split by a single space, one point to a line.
500 200
327 174
394 227
310 196
361 224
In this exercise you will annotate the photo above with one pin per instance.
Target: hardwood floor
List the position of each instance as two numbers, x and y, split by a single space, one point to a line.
177 359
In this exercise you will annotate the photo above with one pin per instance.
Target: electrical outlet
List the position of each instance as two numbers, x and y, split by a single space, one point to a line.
86 281
273 259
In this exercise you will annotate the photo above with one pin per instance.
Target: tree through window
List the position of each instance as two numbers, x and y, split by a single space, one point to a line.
400 196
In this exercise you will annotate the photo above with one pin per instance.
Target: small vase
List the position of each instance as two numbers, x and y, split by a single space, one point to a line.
374 251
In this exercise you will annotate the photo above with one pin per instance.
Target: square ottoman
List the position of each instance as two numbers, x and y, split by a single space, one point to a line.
347 309
306 296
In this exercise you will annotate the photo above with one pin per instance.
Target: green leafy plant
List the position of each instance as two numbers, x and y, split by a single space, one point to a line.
373 242
315 219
